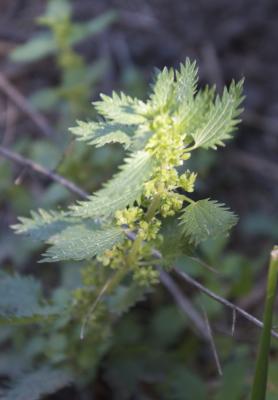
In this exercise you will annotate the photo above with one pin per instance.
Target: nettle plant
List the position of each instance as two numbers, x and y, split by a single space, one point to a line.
62 34
147 204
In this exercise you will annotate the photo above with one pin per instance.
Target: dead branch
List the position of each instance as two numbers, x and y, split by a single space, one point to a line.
23 104
17 158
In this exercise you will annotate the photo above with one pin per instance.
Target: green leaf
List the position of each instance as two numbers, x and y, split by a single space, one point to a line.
174 243
120 108
20 300
35 49
186 81
194 114
205 219
121 191
44 44
83 30
56 11
222 119
44 224
233 383
184 385
126 297
101 133
168 324
163 89
175 88
45 99
37 384
82 242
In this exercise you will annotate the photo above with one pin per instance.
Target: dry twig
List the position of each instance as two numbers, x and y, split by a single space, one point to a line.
191 281
185 305
194 283
25 106
17 158
212 344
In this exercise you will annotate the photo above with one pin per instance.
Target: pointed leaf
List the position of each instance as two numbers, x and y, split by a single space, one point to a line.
82 242
194 114
221 120
163 89
186 81
120 108
44 224
20 300
40 46
121 191
82 30
205 219
174 243
101 133
126 297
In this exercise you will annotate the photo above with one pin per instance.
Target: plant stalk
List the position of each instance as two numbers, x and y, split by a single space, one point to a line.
260 380
152 208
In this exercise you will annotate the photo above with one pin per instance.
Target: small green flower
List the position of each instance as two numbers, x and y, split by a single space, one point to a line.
146 276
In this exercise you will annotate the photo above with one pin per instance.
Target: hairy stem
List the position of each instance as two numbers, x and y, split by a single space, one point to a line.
260 379
188 199
132 256
108 288
152 208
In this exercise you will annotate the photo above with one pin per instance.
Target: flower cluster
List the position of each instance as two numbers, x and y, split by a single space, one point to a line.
160 200
141 261
167 147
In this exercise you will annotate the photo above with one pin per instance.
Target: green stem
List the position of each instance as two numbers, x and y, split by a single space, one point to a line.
132 256
110 284
188 199
108 288
260 379
152 208
116 279
189 149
